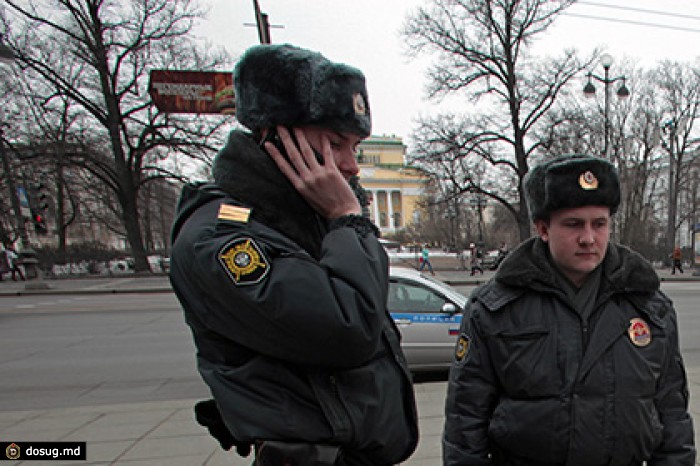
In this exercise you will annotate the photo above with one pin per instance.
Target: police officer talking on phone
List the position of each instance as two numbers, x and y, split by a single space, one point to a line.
284 283
570 355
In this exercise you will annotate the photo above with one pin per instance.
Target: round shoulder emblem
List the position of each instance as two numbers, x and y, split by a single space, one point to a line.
639 332
462 348
244 261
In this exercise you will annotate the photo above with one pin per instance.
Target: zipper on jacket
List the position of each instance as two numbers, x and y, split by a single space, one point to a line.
340 411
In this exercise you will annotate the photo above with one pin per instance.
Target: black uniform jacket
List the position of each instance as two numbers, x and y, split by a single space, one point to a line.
289 315
534 385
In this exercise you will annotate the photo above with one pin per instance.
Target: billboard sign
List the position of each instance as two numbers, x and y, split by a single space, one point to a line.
208 92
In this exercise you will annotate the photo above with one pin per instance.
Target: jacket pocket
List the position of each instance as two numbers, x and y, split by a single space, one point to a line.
526 361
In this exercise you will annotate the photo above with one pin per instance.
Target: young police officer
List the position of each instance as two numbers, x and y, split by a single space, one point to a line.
569 356
284 283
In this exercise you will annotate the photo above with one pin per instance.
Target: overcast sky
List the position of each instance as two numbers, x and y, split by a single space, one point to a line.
366 34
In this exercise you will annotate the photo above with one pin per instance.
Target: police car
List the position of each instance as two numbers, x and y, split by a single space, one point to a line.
428 313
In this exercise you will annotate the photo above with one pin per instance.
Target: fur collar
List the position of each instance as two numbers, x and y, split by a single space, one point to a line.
623 269
248 174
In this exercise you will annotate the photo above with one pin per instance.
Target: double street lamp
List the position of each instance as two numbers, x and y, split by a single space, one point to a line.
622 92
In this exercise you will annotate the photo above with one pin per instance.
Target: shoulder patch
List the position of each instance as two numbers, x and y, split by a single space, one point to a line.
462 348
233 213
639 332
244 261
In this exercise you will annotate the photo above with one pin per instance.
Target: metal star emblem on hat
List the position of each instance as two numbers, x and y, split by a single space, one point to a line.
588 181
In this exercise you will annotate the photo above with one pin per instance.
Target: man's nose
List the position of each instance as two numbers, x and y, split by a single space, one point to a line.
587 235
347 163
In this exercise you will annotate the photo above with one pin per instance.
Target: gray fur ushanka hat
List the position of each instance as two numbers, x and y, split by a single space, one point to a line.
571 181
285 85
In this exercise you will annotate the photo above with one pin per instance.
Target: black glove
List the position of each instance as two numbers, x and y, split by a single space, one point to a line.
207 414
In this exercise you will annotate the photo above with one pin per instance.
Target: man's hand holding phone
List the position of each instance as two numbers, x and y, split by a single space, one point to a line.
319 182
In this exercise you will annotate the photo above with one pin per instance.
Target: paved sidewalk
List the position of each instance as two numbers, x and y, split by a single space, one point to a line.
151 283
165 433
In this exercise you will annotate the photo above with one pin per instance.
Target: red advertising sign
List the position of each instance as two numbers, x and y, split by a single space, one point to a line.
192 91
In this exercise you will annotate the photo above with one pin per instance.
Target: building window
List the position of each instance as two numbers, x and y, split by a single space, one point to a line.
416 217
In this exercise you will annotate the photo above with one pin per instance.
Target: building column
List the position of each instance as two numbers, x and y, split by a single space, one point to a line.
390 210
375 206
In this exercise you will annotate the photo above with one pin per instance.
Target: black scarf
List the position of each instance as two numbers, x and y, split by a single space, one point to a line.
248 174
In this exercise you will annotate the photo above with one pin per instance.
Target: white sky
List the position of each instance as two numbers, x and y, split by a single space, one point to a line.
365 34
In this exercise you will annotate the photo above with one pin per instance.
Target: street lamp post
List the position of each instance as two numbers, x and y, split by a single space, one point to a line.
622 92
450 215
478 203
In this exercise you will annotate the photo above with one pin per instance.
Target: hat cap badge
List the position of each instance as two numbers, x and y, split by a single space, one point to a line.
588 181
358 103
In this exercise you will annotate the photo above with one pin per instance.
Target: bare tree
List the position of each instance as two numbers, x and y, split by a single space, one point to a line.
679 88
98 54
480 48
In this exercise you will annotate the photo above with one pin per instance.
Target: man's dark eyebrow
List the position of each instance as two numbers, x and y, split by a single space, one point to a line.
595 219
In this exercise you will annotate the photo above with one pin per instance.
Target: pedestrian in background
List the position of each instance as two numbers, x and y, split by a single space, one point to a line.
570 354
13 263
284 283
475 260
425 260
677 260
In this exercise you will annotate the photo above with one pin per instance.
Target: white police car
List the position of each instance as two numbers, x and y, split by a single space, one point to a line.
428 313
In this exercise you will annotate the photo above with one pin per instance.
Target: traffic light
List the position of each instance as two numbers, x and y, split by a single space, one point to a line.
39 223
41 197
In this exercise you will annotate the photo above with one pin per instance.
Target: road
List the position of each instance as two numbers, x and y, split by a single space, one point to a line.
77 350
73 350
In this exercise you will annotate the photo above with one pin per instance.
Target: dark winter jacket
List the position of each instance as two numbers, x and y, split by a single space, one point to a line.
534 385
289 316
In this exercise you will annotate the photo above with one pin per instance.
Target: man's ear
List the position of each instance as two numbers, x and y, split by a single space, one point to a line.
542 228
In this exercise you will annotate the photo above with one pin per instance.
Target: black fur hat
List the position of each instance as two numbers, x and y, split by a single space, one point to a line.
290 86
571 181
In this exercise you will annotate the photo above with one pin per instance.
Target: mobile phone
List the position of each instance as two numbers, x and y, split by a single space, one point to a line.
274 137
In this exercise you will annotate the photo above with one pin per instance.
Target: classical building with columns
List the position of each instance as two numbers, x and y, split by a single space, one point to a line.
393 186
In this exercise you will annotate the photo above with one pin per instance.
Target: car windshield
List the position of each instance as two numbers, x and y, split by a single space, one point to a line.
442 285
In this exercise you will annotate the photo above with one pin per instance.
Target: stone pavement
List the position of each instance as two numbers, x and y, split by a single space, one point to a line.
165 433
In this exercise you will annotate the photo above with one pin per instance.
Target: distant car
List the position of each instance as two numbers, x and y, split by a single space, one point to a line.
428 313
491 260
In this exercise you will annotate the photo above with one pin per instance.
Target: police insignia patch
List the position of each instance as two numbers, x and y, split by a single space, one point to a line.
243 261
639 332
462 349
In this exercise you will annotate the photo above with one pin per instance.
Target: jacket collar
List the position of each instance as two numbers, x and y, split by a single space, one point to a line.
624 271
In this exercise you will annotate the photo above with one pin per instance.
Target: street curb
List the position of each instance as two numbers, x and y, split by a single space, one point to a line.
52 291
